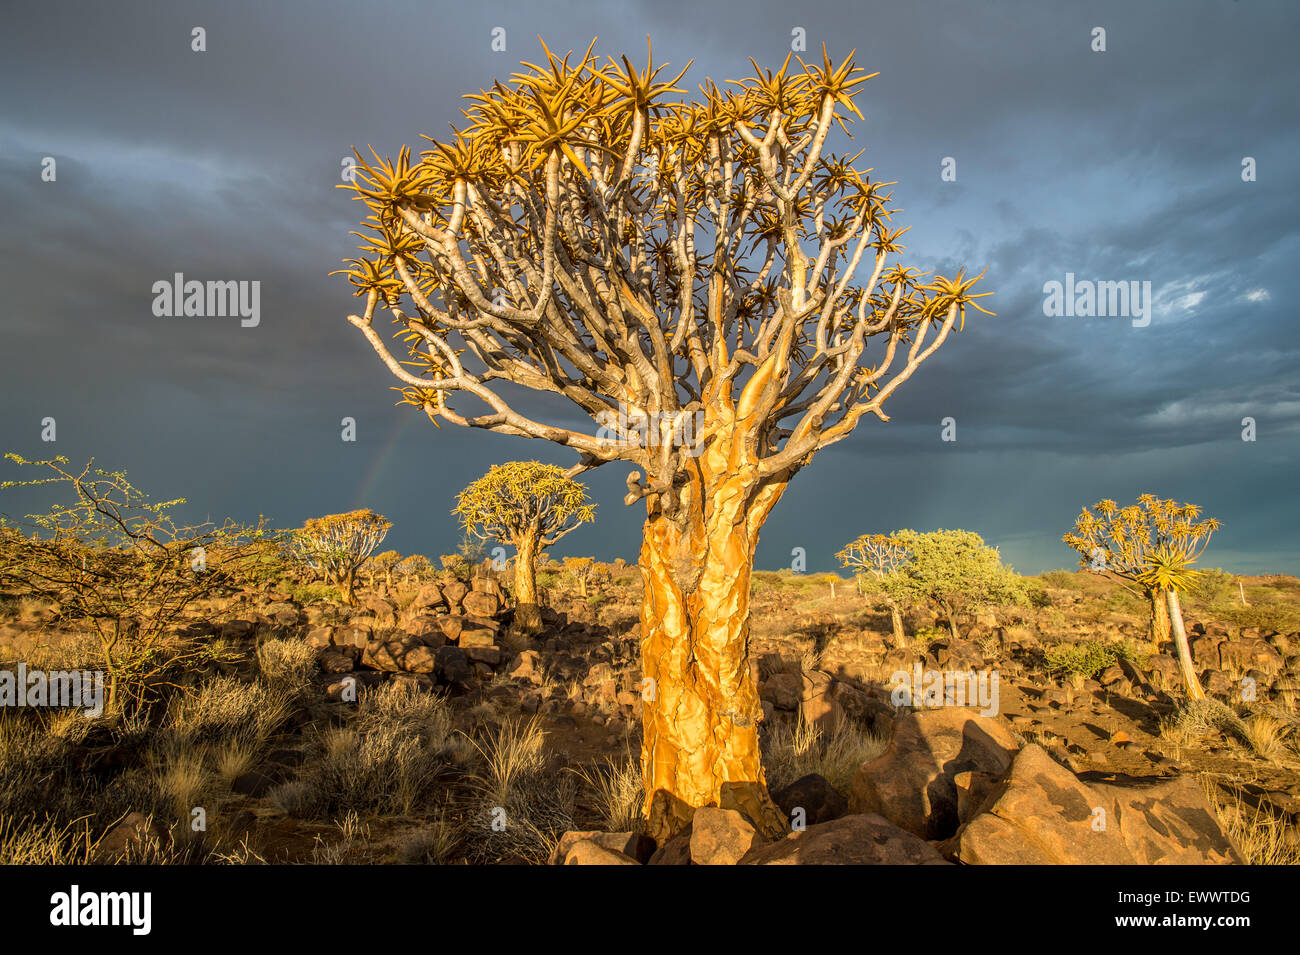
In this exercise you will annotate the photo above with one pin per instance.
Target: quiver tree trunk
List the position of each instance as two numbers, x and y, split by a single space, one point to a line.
528 615
1159 616
700 695
896 619
1175 619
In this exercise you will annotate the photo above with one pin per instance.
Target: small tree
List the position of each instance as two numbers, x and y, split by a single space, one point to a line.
119 564
878 555
338 545
1152 543
582 570
955 570
384 563
530 506
415 566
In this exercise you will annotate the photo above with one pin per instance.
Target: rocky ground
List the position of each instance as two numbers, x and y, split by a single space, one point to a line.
417 727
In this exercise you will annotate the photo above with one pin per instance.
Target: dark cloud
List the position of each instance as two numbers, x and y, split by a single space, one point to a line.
1117 165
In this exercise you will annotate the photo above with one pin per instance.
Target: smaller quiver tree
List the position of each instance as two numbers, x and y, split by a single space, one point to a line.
876 556
1153 544
530 506
338 545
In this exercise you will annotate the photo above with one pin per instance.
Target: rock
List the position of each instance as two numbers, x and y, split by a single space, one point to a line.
383 655
1249 654
481 604
428 596
335 660
817 704
488 586
453 592
819 800
282 614
1042 814
526 666
451 665
489 655
783 690
911 782
320 637
237 630
253 783
636 847
451 626
383 610
589 853
720 836
973 791
1111 675
676 851
131 833
867 839
477 638
420 659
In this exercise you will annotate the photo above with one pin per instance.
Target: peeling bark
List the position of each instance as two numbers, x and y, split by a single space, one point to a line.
701 707
528 614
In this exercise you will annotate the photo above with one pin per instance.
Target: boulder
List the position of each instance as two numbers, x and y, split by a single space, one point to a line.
480 603
1042 814
866 839
591 853
477 638
451 665
911 782
817 704
428 596
720 836
633 845
783 690
819 800
453 592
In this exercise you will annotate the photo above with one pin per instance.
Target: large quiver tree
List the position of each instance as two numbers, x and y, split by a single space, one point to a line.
703 280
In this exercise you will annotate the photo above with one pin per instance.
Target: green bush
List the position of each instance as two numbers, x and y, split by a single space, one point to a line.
1090 657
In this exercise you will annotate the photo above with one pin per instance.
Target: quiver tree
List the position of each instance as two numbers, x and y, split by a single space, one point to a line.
338 545
529 506
384 563
119 565
583 571
1153 544
877 555
415 565
702 279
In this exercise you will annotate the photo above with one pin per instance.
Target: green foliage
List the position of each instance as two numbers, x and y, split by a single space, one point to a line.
1061 580
1216 587
1090 657
313 593
118 564
954 569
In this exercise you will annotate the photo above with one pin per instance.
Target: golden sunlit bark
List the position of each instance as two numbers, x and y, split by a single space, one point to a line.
528 614
701 706
1159 616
